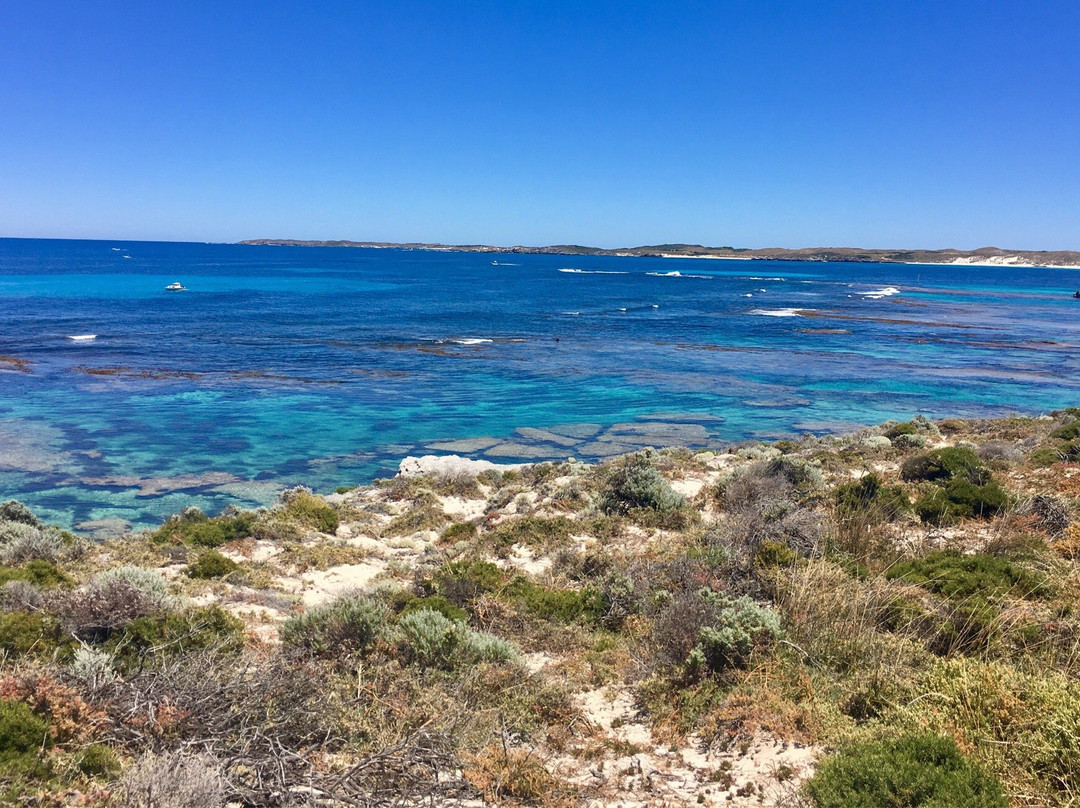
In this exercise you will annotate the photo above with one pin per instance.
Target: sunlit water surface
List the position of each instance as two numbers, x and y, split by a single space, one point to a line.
325 366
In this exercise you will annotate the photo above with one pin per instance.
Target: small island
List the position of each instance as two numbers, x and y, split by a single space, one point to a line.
985 256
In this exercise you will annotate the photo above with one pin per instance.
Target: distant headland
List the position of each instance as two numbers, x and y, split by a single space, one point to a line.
984 256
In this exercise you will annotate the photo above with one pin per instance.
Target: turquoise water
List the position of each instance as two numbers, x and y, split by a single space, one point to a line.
324 367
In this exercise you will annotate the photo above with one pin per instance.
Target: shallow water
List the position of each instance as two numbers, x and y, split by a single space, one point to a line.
325 366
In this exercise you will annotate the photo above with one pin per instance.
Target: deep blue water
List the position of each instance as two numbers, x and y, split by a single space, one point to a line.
324 366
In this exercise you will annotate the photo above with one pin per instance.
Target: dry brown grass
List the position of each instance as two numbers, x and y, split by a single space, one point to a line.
515 776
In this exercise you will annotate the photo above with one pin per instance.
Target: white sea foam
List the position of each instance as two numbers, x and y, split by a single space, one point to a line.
877 294
677 274
759 278
572 313
778 312
471 341
82 337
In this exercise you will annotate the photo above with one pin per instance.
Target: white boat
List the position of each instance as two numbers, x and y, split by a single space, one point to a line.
175 286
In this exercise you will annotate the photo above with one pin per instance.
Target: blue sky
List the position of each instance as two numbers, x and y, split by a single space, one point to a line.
875 124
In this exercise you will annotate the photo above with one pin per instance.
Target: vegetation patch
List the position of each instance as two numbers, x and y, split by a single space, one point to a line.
193 527
635 486
429 639
707 632
960 577
868 498
301 506
424 517
148 641
559 605
40 573
538 533
212 564
963 487
345 627
23 736
915 771
29 635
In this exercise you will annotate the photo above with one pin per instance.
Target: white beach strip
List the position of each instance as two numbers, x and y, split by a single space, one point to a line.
710 257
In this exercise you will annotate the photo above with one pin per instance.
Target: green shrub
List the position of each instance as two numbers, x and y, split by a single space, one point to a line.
98 760
436 603
868 498
461 582
459 531
972 588
212 564
1067 432
23 634
637 484
1022 725
906 428
193 527
305 508
945 464
349 625
42 574
539 533
960 577
1065 446
22 736
771 554
560 605
1063 452
914 771
15 511
961 499
965 488
146 640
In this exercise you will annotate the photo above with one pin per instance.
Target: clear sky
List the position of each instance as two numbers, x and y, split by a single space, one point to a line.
906 123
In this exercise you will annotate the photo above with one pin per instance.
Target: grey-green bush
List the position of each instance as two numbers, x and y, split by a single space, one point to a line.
637 484
430 639
351 624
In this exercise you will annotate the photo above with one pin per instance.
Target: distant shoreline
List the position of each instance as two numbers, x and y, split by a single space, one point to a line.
985 256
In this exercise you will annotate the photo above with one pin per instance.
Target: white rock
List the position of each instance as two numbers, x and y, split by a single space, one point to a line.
450 464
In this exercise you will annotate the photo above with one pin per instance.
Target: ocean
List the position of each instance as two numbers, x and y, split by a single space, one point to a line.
280 366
